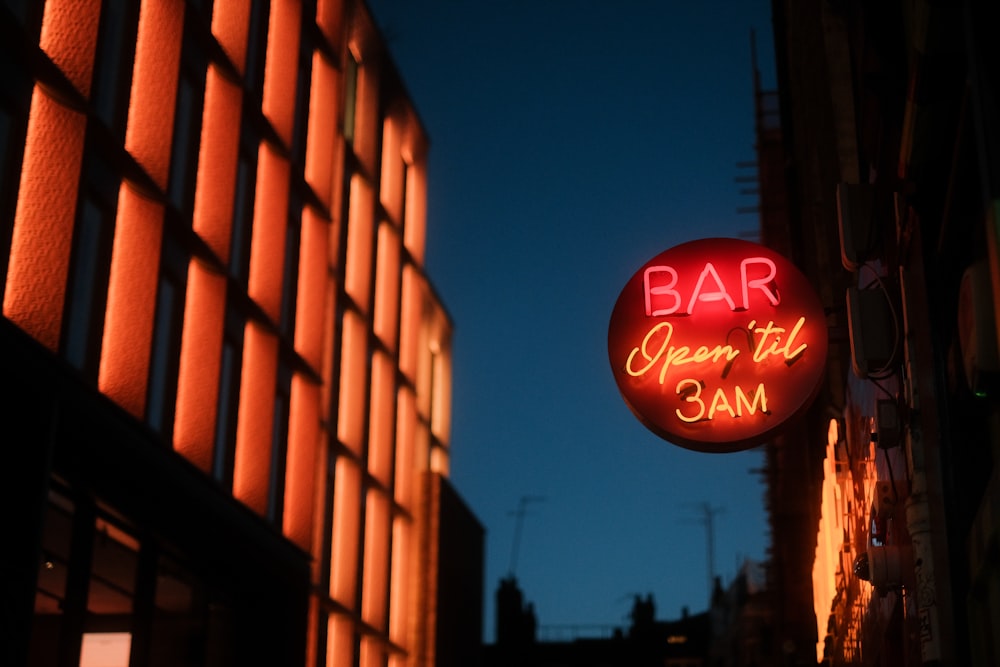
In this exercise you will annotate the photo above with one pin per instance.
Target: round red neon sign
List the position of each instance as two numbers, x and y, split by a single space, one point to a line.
716 343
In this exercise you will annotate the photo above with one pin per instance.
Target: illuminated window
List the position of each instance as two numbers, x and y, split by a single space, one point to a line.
90 262
350 96
165 357
53 573
113 66
110 595
187 124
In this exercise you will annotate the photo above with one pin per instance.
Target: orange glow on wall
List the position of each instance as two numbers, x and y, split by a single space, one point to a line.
281 67
154 86
43 221
402 580
360 227
320 152
372 653
198 377
441 387
440 460
375 585
406 425
387 285
391 181
270 215
312 631
354 362
367 126
300 470
230 22
346 524
252 465
380 429
310 314
411 310
426 639
415 227
716 343
220 138
330 19
69 37
329 349
340 642
367 369
830 561
128 324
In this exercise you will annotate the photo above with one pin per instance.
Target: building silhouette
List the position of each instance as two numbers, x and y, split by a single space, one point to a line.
226 375
646 642
878 165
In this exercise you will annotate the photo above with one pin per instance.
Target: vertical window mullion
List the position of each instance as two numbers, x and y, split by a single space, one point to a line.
113 67
167 328
187 122
291 269
229 398
90 266
246 179
279 444
350 97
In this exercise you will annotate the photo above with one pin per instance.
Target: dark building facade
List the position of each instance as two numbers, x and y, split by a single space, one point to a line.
646 642
880 177
226 375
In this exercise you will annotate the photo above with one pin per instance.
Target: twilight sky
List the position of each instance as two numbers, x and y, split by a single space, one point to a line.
571 141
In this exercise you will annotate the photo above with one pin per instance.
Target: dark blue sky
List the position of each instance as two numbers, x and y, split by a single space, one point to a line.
571 141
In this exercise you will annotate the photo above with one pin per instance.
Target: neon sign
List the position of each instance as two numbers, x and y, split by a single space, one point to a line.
716 343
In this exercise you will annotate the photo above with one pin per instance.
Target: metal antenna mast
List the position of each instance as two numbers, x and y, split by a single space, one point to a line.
708 520
519 514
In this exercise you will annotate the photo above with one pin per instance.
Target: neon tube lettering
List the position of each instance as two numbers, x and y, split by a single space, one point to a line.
708 288
694 397
718 295
762 284
673 356
763 350
689 390
649 291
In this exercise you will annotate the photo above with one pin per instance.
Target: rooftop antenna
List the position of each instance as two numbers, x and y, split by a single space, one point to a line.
519 514
708 520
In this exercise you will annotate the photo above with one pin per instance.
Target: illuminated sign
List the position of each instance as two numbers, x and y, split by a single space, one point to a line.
716 343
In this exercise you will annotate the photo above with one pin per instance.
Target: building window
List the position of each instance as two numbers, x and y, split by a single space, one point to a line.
26 12
165 357
15 98
302 95
187 123
229 398
257 48
350 97
279 445
113 66
289 281
106 596
246 179
90 263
